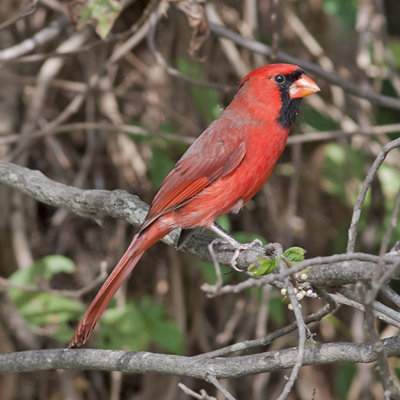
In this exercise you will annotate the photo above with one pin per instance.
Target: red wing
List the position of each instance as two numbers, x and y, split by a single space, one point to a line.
208 159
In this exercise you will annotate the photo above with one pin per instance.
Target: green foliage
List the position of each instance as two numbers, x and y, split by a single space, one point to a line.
160 165
293 255
344 10
394 45
338 163
338 325
277 310
266 266
317 120
42 309
206 100
240 236
343 379
343 174
161 161
225 222
135 326
397 372
102 13
340 241
209 275
138 137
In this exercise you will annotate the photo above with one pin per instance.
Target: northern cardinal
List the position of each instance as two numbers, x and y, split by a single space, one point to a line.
229 162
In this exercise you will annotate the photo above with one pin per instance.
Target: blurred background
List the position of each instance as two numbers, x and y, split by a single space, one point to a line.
116 110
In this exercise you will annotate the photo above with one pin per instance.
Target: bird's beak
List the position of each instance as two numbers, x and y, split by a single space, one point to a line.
304 86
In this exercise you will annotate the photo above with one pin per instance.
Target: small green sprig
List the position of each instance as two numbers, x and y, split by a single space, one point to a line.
292 255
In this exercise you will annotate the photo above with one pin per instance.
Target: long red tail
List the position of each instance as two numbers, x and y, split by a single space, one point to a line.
140 243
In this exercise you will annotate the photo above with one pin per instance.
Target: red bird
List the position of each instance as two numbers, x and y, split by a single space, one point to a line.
229 162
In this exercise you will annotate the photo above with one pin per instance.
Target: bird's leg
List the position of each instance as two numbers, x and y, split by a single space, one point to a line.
222 233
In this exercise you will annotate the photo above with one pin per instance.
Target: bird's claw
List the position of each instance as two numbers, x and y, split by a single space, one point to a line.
246 246
242 246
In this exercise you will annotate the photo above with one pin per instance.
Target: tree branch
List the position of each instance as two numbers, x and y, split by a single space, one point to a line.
232 367
328 271
261 48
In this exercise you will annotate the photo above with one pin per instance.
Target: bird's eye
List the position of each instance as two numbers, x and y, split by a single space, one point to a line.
279 78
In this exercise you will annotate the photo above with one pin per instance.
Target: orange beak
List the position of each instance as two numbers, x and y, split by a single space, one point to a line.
304 86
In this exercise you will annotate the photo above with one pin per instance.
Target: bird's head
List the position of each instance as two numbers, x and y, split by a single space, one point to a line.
278 89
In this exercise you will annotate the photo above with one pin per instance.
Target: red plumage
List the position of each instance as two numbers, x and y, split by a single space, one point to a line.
229 162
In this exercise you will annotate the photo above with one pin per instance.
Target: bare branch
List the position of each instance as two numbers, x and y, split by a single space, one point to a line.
301 328
264 341
96 204
352 235
233 367
258 47
43 36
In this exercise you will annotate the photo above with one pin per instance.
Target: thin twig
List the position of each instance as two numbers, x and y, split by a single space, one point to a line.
170 70
352 88
264 341
26 9
352 234
74 294
301 329
101 126
391 295
394 219
41 37
275 29
317 262
236 60
382 312
367 296
215 382
330 135
202 396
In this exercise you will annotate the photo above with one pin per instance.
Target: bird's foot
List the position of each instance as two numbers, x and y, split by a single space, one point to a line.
242 246
227 238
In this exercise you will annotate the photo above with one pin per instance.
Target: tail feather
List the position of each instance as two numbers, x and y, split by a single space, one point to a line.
141 242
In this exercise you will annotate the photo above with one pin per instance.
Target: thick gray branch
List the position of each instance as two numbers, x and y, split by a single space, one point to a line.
95 204
232 367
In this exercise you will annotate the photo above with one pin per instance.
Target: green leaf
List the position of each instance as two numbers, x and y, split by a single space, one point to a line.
344 10
209 275
48 266
123 328
206 100
344 378
247 237
277 311
135 326
42 309
102 13
161 330
160 165
47 310
42 269
294 254
394 45
267 265
317 120
224 222
337 180
45 267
